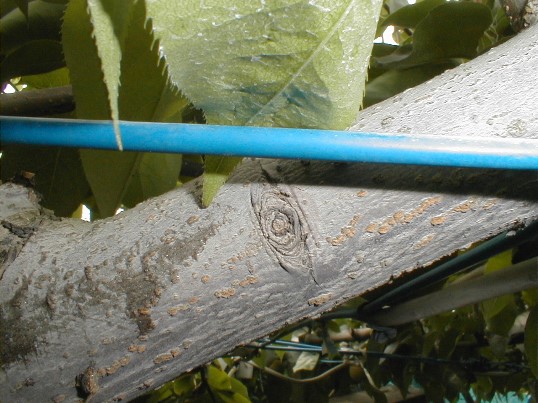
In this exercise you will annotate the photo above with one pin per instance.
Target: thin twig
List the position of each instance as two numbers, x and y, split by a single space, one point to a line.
42 102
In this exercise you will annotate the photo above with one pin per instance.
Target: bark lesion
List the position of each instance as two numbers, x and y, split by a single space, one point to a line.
284 228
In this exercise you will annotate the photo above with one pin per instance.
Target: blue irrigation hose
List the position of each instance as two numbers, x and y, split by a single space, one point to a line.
248 141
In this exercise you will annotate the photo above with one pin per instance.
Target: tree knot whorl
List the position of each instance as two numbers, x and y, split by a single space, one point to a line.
284 228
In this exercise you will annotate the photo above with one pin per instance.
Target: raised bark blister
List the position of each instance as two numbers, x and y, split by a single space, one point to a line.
286 233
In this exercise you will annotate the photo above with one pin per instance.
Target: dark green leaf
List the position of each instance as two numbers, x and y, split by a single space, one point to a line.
155 175
395 81
59 177
33 57
23 6
451 30
44 22
410 15
447 342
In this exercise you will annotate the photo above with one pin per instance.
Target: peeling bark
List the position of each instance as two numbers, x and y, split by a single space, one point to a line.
106 310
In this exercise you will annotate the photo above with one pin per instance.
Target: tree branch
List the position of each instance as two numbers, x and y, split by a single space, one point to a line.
142 297
42 102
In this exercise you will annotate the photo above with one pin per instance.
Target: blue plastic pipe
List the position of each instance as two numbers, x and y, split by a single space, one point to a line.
248 141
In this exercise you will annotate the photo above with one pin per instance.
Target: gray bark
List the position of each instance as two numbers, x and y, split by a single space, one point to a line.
130 302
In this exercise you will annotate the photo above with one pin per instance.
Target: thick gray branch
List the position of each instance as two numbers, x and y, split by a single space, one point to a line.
127 303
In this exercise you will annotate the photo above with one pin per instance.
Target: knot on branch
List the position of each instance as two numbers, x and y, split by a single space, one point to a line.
285 230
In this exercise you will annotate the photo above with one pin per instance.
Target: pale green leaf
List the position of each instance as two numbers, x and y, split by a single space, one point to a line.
306 362
91 98
281 63
144 95
84 65
109 21
531 340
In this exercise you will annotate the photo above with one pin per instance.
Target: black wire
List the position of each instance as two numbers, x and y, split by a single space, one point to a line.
471 364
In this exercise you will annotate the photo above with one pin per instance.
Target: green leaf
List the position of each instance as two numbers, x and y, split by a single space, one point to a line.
285 63
155 175
451 30
59 177
56 78
447 342
227 389
216 171
109 174
91 97
218 379
530 297
531 340
183 385
240 391
145 93
499 313
84 65
23 6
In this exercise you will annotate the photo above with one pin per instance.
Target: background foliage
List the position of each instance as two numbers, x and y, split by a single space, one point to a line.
124 62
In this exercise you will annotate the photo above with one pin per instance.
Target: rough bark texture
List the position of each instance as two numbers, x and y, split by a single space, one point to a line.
112 308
